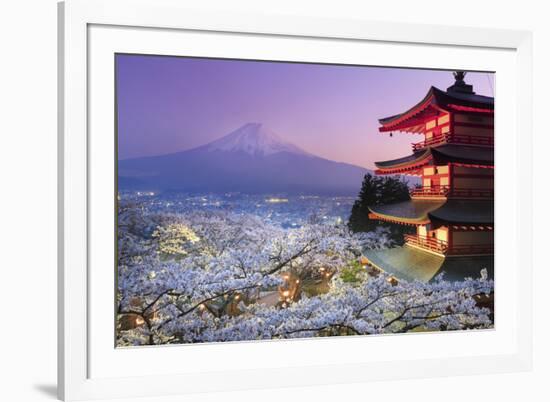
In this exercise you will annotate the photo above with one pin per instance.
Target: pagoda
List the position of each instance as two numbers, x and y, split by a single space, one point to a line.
452 208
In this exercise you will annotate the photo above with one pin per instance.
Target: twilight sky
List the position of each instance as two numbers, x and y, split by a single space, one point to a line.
170 104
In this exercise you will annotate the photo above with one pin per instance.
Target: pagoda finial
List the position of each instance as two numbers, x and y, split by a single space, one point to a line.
459 77
460 85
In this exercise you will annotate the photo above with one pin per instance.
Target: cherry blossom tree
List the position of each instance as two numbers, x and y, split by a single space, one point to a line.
198 277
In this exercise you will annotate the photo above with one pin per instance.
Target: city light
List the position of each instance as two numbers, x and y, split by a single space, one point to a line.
275 200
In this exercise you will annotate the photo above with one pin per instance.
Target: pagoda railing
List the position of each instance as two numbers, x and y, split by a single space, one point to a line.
429 243
469 249
432 191
446 191
471 193
442 247
450 138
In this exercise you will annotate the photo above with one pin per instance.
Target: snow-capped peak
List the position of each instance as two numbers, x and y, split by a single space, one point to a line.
254 139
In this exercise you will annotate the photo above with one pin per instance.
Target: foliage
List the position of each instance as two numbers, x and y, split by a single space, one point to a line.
377 190
352 273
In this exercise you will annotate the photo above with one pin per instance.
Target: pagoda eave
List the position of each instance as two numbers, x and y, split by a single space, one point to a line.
468 155
467 213
411 171
408 163
409 263
413 121
392 219
437 101
412 212
460 155
469 109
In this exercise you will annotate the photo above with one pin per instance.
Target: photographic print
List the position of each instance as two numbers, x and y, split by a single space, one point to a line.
264 200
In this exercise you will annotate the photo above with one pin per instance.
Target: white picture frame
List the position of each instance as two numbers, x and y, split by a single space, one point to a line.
79 377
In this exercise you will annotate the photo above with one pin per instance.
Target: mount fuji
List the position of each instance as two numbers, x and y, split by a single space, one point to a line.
251 159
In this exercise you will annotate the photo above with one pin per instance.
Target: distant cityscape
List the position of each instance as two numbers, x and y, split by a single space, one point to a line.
286 211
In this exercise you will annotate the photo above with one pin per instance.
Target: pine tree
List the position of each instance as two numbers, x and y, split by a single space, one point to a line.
377 191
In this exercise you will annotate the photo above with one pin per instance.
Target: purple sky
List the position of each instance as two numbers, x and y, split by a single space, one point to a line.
169 104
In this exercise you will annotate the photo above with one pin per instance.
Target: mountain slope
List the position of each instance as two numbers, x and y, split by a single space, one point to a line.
254 139
251 159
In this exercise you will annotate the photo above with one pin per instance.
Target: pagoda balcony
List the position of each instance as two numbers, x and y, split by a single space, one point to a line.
427 243
448 192
450 138
442 247
430 192
486 193
471 249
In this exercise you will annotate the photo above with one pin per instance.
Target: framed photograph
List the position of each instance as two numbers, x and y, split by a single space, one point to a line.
254 201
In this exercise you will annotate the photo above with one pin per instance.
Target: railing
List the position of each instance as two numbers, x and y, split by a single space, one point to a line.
446 191
433 191
429 243
449 138
469 249
471 193
442 247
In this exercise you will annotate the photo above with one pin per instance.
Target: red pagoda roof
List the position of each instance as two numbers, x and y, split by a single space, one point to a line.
405 164
465 212
419 212
410 263
433 104
440 155
412 212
